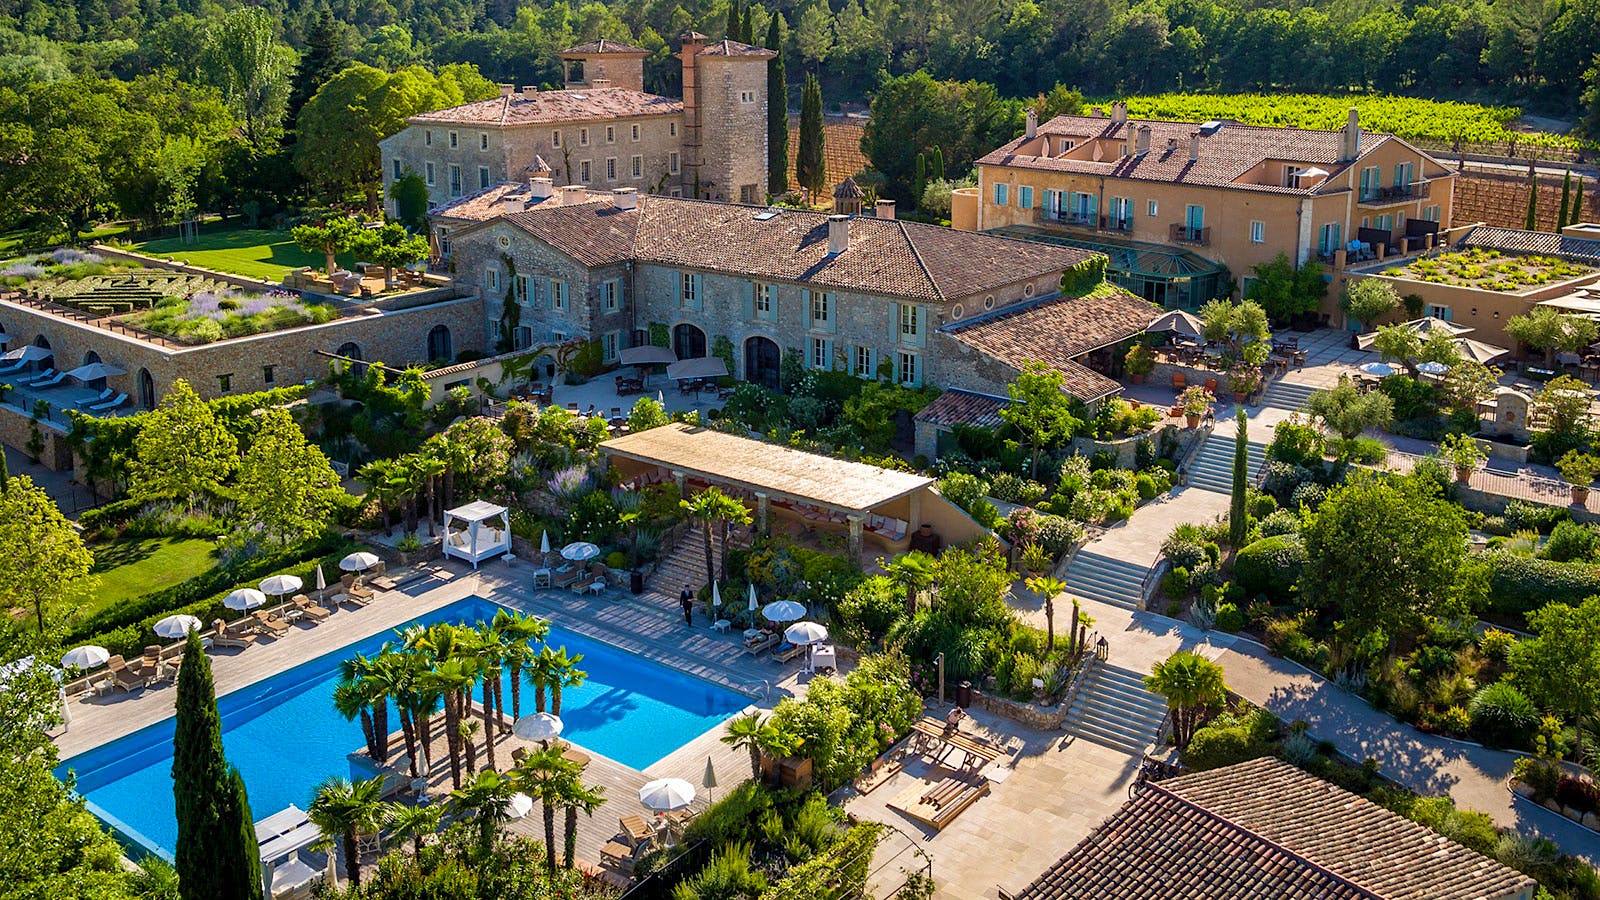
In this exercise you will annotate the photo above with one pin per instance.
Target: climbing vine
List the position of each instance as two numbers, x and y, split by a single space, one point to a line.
660 336
510 311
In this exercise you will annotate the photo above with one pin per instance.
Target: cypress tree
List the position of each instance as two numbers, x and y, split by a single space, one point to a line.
1531 221
919 179
777 111
809 167
1566 190
216 838
324 56
1238 520
938 163
731 30
1577 203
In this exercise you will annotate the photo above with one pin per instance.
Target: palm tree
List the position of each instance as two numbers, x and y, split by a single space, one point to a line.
710 507
517 633
487 797
449 677
546 774
404 484
378 475
540 674
564 672
1048 588
414 822
344 810
579 796
350 701
429 467
752 733
912 571
1192 685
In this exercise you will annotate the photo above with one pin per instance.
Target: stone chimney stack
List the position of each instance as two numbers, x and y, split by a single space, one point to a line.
690 45
573 193
599 84
1350 137
1119 113
625 198
1031 130
1194 146
507 90
884 209
541 188
838 234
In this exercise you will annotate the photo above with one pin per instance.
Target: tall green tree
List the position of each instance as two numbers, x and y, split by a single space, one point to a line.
43 562
287 488
1530 220
252 68
487 800
810 166
1369 300
325 53
182 453
1048 588
1193 688
913 573
777 110
1238 518
345 810
749 731
1566 200
216 854
1560 666
1347 412
1041 410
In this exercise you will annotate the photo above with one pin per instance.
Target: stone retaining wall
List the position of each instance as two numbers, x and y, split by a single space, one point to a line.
1044 718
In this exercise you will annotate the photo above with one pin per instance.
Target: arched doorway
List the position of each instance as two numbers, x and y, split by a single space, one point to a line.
147 390
91 358
439 344
42 341
761 361
688 342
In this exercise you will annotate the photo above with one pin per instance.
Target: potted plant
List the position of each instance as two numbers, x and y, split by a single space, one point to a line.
1462 452
1140 362
1243 380
1579 469
1196 402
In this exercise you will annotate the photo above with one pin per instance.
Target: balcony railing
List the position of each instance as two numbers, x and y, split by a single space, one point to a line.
1179 233
1402 193
1086 220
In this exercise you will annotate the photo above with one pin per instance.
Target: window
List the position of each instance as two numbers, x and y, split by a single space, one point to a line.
583 137
910 322
672 129
397 170
583 171
689 290
558 295
1153 209
428 168
521 288
1431 213
821 353
1000 194
225 382
761 301
611 168
483 178
1369 182
910 369
638 166
608 346
491 277
747 96
427 139
555 138
1329 238
1025 197
1439 312
1194 219
483 140
454 143
267 375
675 192
609 291
1384 223
864 367
672 164
1121 214
1258 232
749 193
1404 174
821 311
635 128
444 242
611 134
455 181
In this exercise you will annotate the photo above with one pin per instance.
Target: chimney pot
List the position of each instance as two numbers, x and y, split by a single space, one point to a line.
507 90
1194 146
599 84
625 198
1119 112
1142 139
541 188
1350 138
573 193
1032 129
885 209
838 234
1097 113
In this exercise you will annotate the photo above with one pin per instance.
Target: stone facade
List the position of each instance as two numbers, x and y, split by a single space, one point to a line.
732 105
556 297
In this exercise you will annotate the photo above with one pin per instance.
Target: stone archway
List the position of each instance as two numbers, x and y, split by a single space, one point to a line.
439 344
688 341
147 390
762 359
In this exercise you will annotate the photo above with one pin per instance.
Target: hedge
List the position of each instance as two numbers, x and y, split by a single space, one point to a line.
1270 566
127 626
1520 584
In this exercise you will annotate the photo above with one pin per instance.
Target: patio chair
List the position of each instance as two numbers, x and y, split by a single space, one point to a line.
266 623
152 665
310 610
124 676
225 635
565 576
113 403
786 651
103 396
636 833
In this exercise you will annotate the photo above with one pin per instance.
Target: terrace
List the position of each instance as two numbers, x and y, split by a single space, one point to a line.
1489 270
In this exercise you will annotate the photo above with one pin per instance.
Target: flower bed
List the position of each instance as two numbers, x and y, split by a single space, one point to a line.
1488 270
211 315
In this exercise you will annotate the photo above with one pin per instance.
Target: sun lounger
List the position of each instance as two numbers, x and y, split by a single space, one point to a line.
581 585
52 381
575 756
102 397
356 595
224 635
310 610
113 403
267 624
565 576
124 676
46 375
13 369
786 651
616 851
761 644
635 831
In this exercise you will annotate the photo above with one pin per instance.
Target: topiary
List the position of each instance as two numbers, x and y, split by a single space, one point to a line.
1502 716
1271 566
1229 618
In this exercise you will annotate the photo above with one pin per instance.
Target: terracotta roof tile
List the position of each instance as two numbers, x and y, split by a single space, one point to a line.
603 47
957 407
547 107
1267 829
595 233
1541 243
726 47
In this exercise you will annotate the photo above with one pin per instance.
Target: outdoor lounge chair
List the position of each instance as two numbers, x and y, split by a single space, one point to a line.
152 665
761 644
310 610
113 403
46 375
225 635
636 833
52 381
12 369
581 585
786 651
102 397
268 624
565 576
125 676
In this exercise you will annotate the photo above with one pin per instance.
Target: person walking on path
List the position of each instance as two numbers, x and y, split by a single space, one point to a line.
686 603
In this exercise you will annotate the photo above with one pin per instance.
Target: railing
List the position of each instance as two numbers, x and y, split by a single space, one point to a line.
1179 233
1402 193
1086 220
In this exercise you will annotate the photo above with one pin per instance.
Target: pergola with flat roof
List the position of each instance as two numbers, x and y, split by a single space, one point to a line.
860 496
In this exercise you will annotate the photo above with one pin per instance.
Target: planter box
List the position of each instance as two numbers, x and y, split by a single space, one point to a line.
1045 718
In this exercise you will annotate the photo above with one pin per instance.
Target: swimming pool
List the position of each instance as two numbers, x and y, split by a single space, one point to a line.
286 738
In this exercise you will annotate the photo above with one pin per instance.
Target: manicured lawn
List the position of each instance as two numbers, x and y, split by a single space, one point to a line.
12 241
252 252
132 567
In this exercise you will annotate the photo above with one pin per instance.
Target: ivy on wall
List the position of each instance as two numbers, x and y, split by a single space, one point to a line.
510 312
1084 276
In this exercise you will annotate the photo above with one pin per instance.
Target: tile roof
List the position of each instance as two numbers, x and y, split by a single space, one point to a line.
496 201
1265 828
1225 154
604 47
1541 243
726 47
885 256
546 107
958 407
1056 330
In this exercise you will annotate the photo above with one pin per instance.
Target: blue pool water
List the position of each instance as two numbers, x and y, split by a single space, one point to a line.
285 737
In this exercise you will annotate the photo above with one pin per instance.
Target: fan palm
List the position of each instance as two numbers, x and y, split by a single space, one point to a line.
377 476
345 810
428 466
540 674
564 672
913 572
711 507
450 677
414 823
487 798
518 632
577 797
1192 685
546 775
1048 588
752 733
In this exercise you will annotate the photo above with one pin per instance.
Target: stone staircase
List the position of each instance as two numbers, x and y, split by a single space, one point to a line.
1105 579
1113 709
685 565
1287 395
1212 467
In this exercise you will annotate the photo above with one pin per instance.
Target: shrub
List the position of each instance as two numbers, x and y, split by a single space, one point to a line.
1146 487
1495 645
1520 584
1229 618
1271 566
1014 489
1230 739
1308 495
962 489
1367 450
1540 775
1521 515
870 609
1279 523
1502 716
1263 505
1296 444
1571 541
1464 826
1175 584
1578 794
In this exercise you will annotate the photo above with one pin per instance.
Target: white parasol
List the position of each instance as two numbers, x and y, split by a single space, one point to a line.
521 804
783 611
1432 368
580 551
752 597
538 727
176 626
716 595
359 561
322 581
802 633
86 657
278 585
544 543
244 598
1377 368
666 794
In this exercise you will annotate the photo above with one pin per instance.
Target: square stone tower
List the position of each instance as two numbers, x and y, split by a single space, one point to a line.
602 64
725 119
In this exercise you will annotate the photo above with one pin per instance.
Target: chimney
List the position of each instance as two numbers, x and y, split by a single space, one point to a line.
1031 130
1141 143
838 234
884 209
599 84
540 188
507 90
625 198
1194 146
573 193
1119 113
1097 113
1350 137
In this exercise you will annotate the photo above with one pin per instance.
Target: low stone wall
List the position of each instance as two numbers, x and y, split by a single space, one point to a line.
1161 376
1588 820
156 262
1498 450
16 428
1044 718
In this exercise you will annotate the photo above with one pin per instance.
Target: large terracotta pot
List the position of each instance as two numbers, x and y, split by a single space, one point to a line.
1464 474
1194 421
1137 378
1580 494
